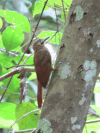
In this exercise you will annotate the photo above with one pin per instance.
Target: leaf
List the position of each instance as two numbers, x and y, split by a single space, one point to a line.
97 87
39 6
29 121
7 111
29 60
0 69
12 37
6 61
1 43
1 23
14 84
56 39
32 7
66 3
7 115
33 76
91 127
16 19
97 109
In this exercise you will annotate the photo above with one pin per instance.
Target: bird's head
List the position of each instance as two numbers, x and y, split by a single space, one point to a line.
38 44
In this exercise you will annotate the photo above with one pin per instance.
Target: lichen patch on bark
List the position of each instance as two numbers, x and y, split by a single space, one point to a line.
64 71
79 13
77 126
44 126
98 43
73 120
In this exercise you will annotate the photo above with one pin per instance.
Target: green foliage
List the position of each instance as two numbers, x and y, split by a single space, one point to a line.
56 39
6 61
0 69
92 126
7 115
29 60
39 5
12 37
32 8
30 121
8 108
97 89
62 15
1 23
17 19
33 76
1 43
10 112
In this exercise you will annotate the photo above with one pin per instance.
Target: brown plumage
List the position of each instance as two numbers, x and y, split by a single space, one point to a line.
43 66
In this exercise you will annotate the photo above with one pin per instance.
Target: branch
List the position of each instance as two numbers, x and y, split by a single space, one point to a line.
23 131
64 11
23 117
92 121
16 71
10 52
18 66
55 33
57 23
27 58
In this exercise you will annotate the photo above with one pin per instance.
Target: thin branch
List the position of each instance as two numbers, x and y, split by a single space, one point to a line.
23 63
34 32
10 52
18 66
27 58
26 48
22 85
23 117
92 121
33 131
5 89
55 33
66 4
23 131
63 10
16 71
57 22
56 18
61 20
58 7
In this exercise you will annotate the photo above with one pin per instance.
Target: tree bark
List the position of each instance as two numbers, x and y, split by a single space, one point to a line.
71 87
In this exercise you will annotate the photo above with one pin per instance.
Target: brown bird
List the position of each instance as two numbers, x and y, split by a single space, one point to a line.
43 66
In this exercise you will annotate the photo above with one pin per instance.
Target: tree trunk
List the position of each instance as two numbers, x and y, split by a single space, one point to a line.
70 91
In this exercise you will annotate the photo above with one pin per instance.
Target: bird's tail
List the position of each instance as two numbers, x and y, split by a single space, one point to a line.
39 95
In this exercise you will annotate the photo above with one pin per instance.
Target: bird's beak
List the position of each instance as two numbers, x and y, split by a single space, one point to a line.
43 40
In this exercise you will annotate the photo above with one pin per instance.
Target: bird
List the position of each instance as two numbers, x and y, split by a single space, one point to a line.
43 66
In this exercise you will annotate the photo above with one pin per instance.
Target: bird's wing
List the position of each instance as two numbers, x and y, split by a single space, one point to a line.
42 62
42 57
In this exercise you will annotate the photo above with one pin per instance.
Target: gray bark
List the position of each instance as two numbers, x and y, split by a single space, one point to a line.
70 91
